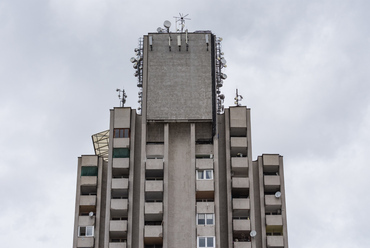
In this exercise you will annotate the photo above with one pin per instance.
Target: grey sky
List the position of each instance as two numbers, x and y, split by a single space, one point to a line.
302 67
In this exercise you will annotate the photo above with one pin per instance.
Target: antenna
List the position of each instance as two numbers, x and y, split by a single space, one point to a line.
238 98
167 25
123 98
253 233
181 19
278 194
91 214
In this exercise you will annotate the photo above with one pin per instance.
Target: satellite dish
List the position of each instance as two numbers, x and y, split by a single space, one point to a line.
222 96
278 194
167 24
133 59
91 214
223 61
223 76
159 30
253 233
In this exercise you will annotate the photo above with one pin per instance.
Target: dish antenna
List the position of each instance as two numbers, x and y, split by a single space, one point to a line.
278 194
181 19
167 25
253 233
91 214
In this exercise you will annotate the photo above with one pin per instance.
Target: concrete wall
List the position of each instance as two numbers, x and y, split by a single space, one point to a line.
179 81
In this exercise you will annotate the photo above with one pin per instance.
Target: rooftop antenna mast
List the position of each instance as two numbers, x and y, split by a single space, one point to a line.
181 19
122 99
238 98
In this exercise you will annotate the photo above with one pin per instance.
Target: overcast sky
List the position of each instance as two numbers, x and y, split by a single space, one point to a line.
301 66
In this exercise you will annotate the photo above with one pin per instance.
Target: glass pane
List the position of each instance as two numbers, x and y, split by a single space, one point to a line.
208 174
209 219
116 133
89 170
121 133
126 135
121 153
209 241
202 242
201 219
82 231
200 174
89 230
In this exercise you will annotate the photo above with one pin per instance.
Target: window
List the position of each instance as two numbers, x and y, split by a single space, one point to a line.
89 170
121 153
121 133
86 231
204 174
206 242
205 219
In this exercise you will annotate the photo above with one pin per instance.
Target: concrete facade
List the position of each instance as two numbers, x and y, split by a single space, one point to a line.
177 174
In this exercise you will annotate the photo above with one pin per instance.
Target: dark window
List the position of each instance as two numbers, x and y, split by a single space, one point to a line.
121 153
121 133
89 171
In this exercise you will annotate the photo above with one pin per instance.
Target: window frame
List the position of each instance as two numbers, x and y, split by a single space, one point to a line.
204 174
122 133
205 219
206 241
87 233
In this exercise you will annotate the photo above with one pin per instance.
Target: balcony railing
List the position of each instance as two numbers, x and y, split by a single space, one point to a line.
241 225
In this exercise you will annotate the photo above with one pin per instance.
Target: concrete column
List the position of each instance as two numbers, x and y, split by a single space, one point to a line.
283 202
165 185
228 178
109 179
217 189
131 178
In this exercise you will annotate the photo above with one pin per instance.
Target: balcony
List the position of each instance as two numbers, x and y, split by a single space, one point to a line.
153 235
154 186
274 220
154 164
204 163
205 207
241 207
239 166
204 230
238 117
118 207
241 204
241 225
203 149
272 203
121 163
85 242
271 162
121 142
155 150
238 142
117 245
88 200
86 220
120 183
153 211
89 160
242 244
89 181
271 183
275 241
205 185
118 228
240 182
154 190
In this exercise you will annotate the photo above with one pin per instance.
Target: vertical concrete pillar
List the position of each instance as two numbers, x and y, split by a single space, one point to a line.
165 185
